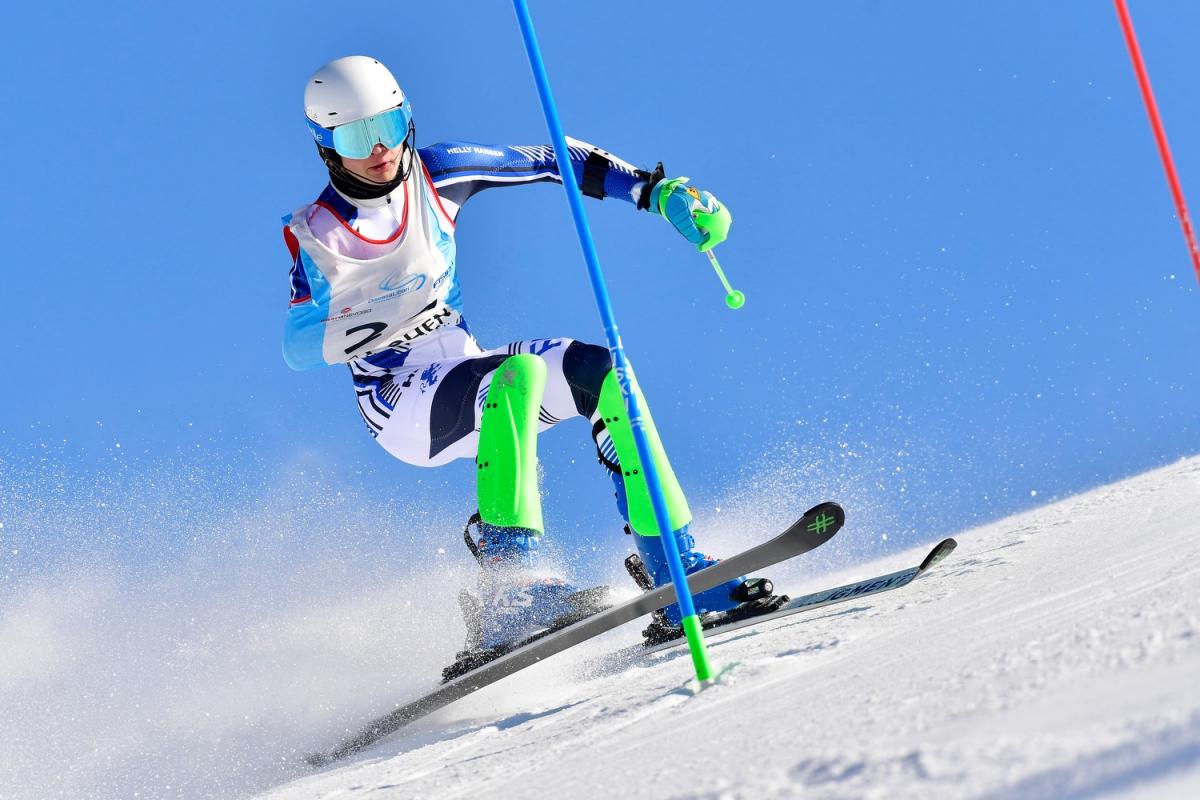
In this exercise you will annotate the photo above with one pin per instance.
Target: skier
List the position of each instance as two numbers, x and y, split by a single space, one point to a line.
374 286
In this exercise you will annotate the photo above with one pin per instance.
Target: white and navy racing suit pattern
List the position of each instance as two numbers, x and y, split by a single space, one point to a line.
422 401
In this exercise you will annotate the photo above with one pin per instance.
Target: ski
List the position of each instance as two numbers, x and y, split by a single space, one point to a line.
826 597
815 528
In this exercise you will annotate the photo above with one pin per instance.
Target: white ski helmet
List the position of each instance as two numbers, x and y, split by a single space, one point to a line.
349 89
358 89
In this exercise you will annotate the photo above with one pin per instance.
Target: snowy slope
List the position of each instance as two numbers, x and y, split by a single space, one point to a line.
1054 654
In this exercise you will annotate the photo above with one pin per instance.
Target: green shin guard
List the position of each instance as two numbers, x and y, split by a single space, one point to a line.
506 466
637 493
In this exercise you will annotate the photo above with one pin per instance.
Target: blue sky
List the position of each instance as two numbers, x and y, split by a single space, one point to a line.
967 291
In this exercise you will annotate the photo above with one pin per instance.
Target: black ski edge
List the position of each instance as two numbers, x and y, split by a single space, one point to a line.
816 527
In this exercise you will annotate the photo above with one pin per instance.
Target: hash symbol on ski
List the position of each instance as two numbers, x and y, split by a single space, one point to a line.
822 523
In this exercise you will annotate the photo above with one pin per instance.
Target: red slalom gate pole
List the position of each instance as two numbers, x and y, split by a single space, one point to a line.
1160 135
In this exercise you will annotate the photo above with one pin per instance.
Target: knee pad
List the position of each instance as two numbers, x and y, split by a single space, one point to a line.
506 464
637 493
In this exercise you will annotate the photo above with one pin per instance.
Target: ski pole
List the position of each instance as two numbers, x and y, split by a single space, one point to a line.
691 622
733 298
1160 133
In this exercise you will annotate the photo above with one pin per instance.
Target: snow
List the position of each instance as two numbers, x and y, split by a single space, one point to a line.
1054 654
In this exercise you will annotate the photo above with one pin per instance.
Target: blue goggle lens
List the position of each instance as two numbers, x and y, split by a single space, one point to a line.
357 139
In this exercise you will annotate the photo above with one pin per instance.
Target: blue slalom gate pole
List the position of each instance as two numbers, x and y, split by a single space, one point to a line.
691 622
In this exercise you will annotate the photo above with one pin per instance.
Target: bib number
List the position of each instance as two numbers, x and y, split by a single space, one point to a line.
376 331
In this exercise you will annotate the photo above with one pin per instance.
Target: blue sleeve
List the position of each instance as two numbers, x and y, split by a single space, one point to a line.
304 329
460 170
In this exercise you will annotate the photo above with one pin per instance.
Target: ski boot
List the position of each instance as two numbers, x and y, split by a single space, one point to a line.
730 601
618 453
517 601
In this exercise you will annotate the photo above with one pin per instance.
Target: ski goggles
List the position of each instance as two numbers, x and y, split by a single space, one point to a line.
357 139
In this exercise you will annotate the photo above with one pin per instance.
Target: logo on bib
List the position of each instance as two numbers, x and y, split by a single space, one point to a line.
393 283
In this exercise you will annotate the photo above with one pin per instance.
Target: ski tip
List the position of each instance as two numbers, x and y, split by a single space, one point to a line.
942 549
828 507
824 519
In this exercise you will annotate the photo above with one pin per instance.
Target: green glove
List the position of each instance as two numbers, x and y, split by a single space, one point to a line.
699 216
